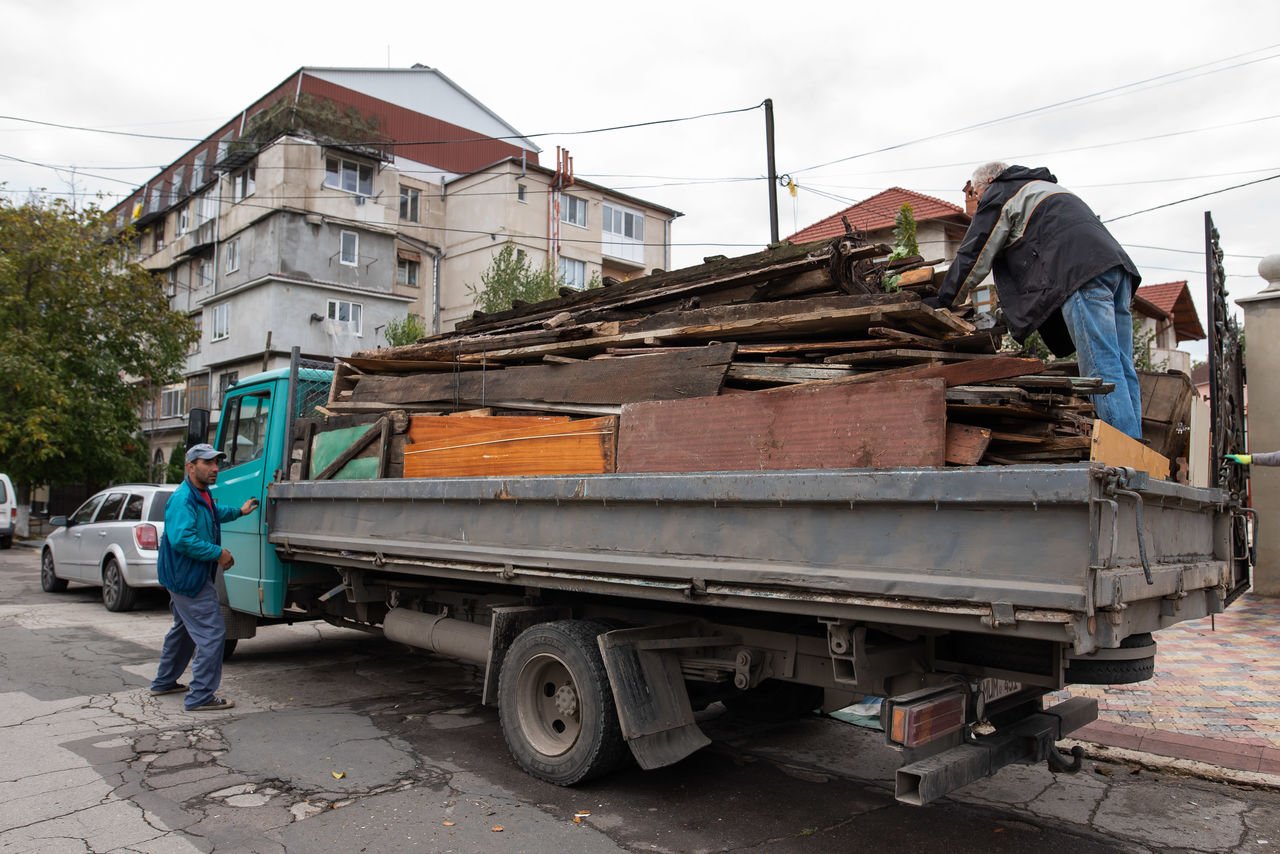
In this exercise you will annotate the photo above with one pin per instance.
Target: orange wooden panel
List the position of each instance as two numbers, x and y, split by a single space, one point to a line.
1114 448
585 446
873 425
428 429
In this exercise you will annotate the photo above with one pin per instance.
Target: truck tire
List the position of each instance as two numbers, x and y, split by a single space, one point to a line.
556 706
1086 671
49 580
117 595
229 648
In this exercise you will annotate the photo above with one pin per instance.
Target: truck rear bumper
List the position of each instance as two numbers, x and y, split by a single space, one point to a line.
1031 739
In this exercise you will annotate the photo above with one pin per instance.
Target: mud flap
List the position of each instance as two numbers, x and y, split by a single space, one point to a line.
649 692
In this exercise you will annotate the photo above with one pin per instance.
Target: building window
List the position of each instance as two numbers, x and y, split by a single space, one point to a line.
408 204
221 327
198 320
349 251
521 191
225 382
573 210
157 237
233 255
573 273
243 183
184 221
349 313
204 273
348 175
171 403
179 177
197 171
171 287
223 145
198 391
623 232
407 272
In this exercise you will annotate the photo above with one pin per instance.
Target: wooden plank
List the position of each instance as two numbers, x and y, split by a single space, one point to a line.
966 445
588 446
900 354
403 366
684 373
380 429
436 429
1114 448
972 372
756 372
912 338
875 426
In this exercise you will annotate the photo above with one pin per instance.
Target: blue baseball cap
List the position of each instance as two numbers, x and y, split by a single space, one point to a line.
204 451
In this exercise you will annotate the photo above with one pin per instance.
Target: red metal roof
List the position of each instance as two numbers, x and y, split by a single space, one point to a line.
879 212
1174 299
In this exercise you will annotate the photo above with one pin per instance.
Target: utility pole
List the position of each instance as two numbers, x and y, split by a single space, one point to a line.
773 171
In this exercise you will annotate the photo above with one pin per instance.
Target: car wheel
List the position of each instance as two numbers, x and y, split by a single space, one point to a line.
556 706
49 580
6 541
116 594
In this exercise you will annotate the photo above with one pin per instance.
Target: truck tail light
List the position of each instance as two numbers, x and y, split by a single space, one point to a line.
145 536
920 721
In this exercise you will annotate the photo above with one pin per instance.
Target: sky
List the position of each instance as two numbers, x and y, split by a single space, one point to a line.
1133 105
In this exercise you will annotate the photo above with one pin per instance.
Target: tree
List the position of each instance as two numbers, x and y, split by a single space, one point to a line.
904 243
407 331
510 278
176 470
85 336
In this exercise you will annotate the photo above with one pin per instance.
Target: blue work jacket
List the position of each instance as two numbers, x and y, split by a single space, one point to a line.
192 540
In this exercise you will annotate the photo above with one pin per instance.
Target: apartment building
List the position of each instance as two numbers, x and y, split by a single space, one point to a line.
344 199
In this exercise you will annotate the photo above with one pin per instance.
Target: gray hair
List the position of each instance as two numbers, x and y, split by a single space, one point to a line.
987 172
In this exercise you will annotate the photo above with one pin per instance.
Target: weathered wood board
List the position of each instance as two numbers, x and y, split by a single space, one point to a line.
1114 448
586 446
966 445
881 425
697 372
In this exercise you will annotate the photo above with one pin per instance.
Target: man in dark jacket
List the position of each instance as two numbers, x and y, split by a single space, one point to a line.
191 552
1057 270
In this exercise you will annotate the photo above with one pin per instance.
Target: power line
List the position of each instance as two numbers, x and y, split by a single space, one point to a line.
1193 198
1058 104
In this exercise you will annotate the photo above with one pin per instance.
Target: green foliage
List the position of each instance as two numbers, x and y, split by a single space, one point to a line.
1032 348
406 331
176 470
511 277
904 234
84 334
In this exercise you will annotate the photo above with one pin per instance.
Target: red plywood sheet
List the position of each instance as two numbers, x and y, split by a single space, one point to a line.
873 425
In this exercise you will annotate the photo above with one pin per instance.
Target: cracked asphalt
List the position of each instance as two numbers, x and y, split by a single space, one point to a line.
342 742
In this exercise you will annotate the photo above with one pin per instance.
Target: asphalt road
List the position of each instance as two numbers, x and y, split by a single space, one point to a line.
342 742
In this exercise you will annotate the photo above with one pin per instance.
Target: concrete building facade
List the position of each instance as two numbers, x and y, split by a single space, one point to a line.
346 199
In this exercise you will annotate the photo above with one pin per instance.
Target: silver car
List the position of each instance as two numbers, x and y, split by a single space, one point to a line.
110 541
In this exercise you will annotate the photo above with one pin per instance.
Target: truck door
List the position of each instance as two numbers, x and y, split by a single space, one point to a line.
242 436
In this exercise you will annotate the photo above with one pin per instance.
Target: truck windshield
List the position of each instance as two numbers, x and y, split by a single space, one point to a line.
244 427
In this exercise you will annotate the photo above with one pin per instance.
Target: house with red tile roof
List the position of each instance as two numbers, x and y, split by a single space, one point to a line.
1166 317
939 225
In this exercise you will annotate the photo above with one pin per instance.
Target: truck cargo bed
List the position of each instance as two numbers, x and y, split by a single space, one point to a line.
1062 559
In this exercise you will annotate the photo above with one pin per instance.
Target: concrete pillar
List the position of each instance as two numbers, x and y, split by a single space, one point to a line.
1262 357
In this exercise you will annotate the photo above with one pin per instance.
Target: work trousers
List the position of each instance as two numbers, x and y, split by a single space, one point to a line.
197 629
1101 327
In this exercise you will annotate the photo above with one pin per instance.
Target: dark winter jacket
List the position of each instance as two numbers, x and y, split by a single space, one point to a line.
192 540
1043 243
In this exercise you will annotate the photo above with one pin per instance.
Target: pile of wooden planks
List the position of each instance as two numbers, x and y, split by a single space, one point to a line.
793 357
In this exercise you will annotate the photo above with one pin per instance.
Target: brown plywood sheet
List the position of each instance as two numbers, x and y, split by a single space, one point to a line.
878 425
586 446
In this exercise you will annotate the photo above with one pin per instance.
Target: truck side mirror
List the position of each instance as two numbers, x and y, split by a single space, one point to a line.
197 427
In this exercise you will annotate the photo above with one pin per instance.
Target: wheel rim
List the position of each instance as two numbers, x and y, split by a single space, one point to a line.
47 577
549 705
111 582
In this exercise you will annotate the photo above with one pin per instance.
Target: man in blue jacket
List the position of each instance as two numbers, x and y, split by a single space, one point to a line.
191 553
1057 270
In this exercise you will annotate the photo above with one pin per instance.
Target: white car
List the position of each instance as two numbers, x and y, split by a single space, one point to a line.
111 541
8 512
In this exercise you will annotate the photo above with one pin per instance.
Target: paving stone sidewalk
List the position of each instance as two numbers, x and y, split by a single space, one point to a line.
1215 696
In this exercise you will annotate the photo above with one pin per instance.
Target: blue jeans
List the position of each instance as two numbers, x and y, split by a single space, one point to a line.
1101 327
197 629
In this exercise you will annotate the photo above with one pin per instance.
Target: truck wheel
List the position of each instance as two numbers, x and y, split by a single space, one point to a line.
49 580
556 705
117 595
1086 671
229 648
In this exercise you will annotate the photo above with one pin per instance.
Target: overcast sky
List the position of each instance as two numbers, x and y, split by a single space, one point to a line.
854 86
